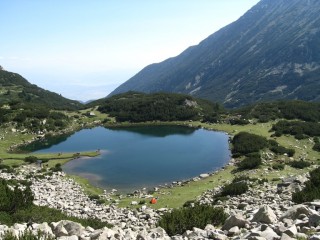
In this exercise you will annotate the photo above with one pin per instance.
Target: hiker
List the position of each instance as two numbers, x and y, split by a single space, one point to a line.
29 224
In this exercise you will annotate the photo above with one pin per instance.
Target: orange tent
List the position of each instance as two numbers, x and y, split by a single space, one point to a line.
153 201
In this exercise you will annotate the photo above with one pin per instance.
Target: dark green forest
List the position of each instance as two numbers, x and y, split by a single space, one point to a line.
141 107
267 111
33 117
298 129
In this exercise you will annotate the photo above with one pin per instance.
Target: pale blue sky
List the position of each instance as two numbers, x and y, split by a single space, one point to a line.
84 49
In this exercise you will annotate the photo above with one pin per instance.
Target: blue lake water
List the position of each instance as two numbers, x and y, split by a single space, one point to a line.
137 157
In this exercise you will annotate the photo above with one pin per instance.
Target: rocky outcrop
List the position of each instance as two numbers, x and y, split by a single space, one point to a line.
59 192
264 212
265 215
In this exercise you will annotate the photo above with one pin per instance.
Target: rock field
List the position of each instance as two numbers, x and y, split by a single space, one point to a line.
264 212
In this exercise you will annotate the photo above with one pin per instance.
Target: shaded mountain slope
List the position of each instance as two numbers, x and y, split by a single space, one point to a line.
15 90
272 52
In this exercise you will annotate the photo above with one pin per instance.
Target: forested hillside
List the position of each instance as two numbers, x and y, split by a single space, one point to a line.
140 107
17 91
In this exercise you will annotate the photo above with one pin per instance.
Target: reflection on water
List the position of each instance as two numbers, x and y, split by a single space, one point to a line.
44 143
159 131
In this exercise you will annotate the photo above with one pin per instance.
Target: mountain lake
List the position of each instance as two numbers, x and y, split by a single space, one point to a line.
136 157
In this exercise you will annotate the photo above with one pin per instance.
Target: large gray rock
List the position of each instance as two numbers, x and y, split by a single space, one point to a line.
295 211
158 233
286 237
44 228
269 234
234 220
95 234
68 228
73 237
234 231
292 231
265 215
315 237
60 231
218 236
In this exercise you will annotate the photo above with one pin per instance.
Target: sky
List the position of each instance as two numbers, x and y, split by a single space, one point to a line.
84 49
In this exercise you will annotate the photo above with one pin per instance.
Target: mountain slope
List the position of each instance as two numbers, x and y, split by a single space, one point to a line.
15 89
272 52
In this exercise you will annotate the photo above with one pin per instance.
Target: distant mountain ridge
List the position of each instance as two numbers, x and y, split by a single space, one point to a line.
271 52
16 89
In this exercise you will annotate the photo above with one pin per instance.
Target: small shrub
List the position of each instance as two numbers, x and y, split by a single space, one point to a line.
181 220
311 190
239 122
189 203
316 147
101 201
31 159
2 166
299 164
9 170
276 179
27 235
94 197
57 168
245 143
234 189
142 202
41 214
278 166
280 150
241 178
249 163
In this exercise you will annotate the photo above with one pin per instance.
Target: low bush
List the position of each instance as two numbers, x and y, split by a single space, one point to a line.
14 200
189 203
245 143
17 206
278 166
31 159
26 235
181 220
94 197
249 163
57 168
239 122
311 190
41 214
2 166
280 150
299 164
316 147
241 178
235 188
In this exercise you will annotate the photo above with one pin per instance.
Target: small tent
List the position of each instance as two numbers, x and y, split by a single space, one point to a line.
153 201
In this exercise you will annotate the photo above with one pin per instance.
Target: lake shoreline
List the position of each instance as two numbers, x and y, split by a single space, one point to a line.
209 150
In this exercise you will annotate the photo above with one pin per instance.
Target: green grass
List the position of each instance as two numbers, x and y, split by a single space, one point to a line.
86 186
177 196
